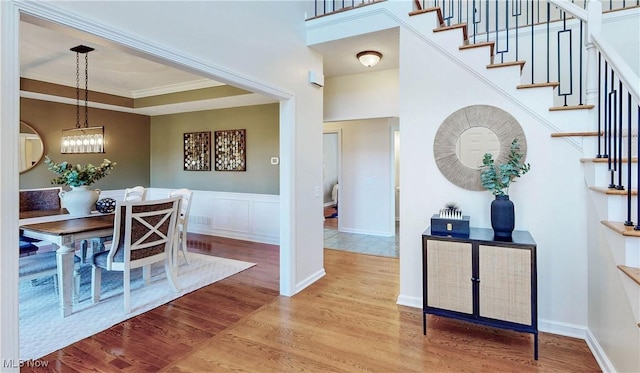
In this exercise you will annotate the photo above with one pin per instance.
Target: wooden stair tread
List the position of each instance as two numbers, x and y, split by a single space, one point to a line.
572 134
571 107
462 26
428 10
632 272
505 64
489 44
619 227
538 85
613 192
605 160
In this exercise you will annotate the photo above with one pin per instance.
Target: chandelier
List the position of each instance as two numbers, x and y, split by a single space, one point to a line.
82 138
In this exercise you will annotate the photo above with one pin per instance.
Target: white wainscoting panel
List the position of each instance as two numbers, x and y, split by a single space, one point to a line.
243 216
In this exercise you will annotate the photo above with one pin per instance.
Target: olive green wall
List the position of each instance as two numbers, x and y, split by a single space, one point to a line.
126 143
262 135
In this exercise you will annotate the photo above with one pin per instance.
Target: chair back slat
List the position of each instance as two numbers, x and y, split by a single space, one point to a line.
143 229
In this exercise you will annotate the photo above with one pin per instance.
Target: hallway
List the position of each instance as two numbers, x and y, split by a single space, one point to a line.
358 243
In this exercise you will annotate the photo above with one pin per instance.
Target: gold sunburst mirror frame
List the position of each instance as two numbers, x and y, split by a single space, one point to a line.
446 142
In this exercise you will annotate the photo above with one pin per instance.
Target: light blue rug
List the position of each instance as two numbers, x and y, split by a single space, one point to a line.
43 330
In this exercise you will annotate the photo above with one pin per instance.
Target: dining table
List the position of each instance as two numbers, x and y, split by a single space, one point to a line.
62 229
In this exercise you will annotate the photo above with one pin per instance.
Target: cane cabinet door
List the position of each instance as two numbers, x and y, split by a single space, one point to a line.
449 269
505 284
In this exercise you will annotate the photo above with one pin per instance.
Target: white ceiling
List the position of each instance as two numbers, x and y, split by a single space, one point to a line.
45 55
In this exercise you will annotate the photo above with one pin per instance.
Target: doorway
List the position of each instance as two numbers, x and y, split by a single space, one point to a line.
364 218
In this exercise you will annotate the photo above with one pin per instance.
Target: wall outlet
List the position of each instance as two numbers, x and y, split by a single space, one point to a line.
275 160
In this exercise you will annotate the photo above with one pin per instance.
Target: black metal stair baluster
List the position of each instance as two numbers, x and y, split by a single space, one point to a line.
487 16
613 106
533 66
607 138
600 139
517 12
581 91
628 222
621 135
612 133
548 41
563 90
477 17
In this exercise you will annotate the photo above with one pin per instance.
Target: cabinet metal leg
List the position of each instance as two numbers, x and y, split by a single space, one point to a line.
424 323
535 346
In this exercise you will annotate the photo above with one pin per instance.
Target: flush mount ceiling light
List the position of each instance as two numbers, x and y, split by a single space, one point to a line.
369 58
82 139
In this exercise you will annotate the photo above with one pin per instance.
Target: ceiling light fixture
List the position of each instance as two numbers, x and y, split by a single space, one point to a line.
82 139
369 58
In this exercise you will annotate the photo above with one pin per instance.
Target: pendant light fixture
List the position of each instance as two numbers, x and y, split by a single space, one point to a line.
369 58
82 139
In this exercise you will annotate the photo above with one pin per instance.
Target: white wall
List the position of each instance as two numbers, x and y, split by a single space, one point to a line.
622 30
366 184
361 96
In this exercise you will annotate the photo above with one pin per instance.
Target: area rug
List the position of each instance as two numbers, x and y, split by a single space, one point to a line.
43 330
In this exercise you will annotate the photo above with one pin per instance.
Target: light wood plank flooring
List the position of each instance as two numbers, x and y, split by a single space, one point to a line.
346 322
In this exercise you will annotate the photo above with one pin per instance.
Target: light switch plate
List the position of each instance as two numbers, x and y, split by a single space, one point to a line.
275 160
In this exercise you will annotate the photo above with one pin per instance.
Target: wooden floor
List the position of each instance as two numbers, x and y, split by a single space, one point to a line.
346 322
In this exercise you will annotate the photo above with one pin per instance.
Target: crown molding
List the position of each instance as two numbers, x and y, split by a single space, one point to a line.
173 88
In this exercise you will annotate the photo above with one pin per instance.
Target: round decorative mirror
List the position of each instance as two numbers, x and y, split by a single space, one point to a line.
466 135
31 147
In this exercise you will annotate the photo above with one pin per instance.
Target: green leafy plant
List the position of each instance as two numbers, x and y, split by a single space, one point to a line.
497 178
78 175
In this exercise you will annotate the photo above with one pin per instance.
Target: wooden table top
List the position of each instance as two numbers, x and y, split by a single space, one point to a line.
85 224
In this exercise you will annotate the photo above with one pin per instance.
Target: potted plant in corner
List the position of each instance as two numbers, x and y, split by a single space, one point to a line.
80 200
497 179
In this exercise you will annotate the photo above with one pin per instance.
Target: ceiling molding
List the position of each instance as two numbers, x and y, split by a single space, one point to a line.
173 88
250 99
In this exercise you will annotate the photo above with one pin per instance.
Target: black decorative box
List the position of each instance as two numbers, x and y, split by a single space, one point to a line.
449 226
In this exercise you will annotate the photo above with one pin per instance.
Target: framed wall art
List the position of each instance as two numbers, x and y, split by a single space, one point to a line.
230 150
197 151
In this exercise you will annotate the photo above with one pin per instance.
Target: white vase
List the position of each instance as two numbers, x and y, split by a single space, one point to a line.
79 200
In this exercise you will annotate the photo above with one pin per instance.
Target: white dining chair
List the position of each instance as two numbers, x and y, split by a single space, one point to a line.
183 222
138 193
143 234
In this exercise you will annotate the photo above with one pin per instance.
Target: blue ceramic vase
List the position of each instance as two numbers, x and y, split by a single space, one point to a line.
502 216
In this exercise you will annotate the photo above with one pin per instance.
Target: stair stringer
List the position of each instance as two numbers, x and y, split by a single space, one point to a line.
614 300
621 249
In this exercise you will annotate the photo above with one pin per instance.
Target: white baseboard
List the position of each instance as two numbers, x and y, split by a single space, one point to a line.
370 233
243 236
310 280
564 329
413 302
598 353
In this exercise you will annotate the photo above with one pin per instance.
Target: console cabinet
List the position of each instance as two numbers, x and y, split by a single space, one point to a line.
482 280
